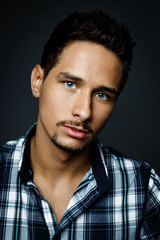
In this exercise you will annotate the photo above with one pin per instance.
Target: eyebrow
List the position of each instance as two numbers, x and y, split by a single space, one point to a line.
70 76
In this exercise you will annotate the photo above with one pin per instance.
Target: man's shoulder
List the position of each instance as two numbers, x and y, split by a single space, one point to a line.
116 159
10 148
122 168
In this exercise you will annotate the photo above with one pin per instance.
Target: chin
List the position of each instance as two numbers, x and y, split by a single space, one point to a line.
70 148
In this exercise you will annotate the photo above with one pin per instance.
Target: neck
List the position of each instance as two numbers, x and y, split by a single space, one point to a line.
53 163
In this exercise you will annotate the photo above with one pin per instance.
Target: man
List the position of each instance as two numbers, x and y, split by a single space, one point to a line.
59 182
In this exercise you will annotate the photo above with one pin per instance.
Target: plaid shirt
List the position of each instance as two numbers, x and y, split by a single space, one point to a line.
118 198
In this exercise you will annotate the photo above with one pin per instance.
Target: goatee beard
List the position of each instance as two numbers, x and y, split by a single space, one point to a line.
66 148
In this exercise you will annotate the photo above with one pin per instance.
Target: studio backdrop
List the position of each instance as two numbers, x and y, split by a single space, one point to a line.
26 26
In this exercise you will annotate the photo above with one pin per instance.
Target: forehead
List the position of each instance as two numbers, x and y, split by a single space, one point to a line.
90 61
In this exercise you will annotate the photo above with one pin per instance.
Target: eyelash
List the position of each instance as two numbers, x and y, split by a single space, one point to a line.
66 83
104 94
72 85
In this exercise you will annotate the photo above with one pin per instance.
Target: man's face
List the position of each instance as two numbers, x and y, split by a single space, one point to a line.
78 95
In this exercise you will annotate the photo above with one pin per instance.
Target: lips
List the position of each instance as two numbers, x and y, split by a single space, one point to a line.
75 132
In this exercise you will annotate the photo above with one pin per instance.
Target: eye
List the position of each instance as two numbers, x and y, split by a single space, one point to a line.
102 96
70 85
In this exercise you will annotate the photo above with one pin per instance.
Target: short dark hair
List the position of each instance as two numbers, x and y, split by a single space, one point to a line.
96 27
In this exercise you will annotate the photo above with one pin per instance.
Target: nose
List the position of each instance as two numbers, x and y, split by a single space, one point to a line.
82 107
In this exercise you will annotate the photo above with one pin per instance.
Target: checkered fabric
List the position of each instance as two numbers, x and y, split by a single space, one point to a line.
118 199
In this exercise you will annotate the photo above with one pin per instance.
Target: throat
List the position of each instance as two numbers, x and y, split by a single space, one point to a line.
57 195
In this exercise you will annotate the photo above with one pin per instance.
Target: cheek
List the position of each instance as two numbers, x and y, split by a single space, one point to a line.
47 105
53 103
101 116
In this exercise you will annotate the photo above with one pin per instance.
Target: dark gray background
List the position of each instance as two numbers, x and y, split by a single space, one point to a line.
25 27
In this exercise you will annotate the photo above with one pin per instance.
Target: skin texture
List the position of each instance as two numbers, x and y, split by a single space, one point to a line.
75 101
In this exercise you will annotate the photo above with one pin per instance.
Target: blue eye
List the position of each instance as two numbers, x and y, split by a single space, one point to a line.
102 96
70 85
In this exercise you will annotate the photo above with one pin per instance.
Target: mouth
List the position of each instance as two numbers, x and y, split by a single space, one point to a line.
75 132
78 129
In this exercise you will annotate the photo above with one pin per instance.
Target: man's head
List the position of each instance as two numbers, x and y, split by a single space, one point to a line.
85 65
78 95
95 27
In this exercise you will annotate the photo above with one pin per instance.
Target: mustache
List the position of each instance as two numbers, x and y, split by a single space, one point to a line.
76 124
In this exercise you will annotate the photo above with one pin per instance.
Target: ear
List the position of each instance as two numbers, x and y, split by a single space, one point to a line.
36 80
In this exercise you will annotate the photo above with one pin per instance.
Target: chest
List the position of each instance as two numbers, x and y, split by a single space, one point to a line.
105 218
58 200
57 196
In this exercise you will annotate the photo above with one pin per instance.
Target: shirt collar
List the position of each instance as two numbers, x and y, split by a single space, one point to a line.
26 172
97 163
98 168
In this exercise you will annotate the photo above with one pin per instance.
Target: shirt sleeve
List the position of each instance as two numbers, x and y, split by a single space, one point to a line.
151 222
